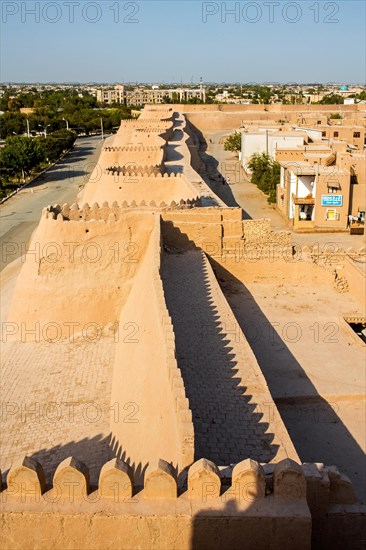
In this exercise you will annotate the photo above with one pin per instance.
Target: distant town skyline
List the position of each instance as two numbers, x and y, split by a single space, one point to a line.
168 41
178 83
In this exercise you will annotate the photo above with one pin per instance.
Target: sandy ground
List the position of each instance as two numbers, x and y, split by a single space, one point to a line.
20 215
313 363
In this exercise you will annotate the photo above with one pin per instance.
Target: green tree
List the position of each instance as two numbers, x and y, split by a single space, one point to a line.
335 116
14 104
21 154
332 99
56 143
12 123
233 142
265 174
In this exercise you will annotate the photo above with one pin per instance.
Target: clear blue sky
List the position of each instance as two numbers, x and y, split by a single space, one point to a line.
156 41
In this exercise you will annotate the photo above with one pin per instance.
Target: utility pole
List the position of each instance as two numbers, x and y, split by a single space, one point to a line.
101 126
28 132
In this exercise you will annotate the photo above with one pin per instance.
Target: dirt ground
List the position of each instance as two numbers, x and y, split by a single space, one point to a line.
313 362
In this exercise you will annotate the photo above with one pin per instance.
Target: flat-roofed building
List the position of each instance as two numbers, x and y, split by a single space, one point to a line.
314 196
155 95
111 95
267 140
353 135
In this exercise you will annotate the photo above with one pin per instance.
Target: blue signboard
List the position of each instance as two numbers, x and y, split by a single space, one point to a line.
332 200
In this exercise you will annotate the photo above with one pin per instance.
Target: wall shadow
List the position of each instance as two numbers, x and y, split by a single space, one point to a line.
210 170
314 426
227 428
227 527
94 452
172 152
61 174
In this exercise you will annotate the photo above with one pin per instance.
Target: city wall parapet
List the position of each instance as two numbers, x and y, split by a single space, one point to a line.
110 213
135 170
222 233
132 148
111 186
271 506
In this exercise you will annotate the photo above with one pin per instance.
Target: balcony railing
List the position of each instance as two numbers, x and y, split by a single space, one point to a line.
303 200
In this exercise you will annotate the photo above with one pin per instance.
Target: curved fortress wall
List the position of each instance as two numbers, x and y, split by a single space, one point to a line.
80 271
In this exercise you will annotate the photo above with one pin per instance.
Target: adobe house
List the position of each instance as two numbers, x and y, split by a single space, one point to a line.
313 196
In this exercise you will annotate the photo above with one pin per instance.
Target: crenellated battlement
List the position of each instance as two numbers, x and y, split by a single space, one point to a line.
205 483
139 121
75 213
153 129
268 506
109 213
133 169
131 148
155 172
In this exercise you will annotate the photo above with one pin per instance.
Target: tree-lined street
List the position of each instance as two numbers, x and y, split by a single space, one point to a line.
19 215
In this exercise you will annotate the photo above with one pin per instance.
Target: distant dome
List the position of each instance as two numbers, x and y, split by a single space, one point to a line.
344 88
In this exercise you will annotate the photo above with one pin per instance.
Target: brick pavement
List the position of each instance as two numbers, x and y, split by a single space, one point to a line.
55 402
228 427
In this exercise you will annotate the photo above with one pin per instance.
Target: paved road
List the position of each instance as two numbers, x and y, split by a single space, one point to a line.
19 216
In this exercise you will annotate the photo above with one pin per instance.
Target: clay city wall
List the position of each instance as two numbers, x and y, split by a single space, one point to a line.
155 124
258 108
249 265
159 111
221 232
79 268
151 135
106 269
187 147
135 170
134 137
132 148
161 121
193 145
108 212
267 506
154 187
146 374
148 139
227 117
138 143
120 155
